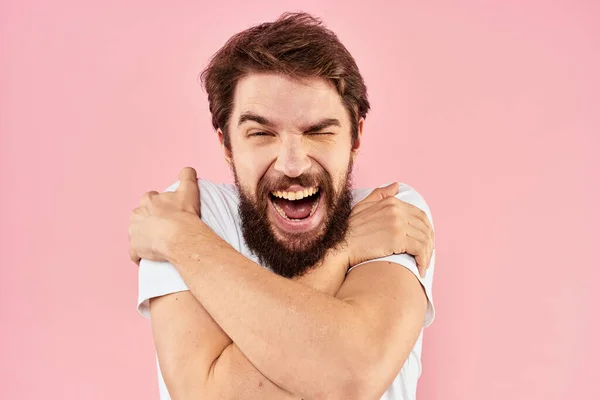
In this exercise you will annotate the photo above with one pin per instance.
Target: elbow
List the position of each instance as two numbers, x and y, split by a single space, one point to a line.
352 389
183 389
183 383
357 388
359 379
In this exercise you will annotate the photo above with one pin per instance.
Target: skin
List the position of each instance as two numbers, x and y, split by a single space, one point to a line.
280 145
205 341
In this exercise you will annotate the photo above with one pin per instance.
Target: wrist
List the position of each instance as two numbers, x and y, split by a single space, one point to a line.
341 255
328 276
351 257
186 237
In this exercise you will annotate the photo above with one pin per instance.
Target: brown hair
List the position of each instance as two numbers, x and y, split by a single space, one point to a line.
296 44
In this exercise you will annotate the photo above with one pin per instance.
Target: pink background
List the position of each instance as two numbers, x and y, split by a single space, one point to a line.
489 110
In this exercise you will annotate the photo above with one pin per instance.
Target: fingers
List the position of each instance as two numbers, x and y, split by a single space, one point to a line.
132 218
147 197
189 188
423 250
134 257
411 238
417 234
188 173
417 212
417 223
389 190
188 179
376 195
420 251
382 192
412 214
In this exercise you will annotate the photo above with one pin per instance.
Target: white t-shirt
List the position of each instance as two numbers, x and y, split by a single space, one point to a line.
219 210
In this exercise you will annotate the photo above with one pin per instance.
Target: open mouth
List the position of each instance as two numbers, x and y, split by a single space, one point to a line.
298 205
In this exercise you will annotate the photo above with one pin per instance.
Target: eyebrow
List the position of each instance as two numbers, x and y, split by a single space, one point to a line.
248 116
319 126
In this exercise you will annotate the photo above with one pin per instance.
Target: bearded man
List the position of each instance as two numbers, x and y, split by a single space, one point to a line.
289 284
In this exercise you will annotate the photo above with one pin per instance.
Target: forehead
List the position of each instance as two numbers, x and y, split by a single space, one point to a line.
285 100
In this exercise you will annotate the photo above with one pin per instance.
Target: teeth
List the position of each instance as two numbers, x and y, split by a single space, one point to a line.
300 194
314 207
280 211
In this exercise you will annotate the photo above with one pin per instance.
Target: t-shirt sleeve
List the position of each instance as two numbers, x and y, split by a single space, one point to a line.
411 196
161 278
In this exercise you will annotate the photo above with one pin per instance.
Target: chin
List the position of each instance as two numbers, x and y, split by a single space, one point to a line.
298 241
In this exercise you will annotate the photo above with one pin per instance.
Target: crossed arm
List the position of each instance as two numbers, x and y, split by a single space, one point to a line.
242 329
189 373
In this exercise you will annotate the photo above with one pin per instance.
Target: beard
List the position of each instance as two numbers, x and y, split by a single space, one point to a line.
299 252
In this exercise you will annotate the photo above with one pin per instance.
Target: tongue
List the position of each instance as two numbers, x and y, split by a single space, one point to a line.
296 209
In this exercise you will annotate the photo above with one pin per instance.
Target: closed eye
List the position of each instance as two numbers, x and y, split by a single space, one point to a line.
319 133
260 134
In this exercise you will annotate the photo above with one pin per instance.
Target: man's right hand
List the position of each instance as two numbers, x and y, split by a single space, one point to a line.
382 225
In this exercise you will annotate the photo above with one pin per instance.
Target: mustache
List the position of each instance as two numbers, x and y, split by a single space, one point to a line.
268 184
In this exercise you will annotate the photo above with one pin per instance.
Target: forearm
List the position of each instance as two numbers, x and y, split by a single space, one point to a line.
327 277
296 336
232 376
197 359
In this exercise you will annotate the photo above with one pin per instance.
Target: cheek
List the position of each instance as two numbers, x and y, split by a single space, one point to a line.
334 160
250 166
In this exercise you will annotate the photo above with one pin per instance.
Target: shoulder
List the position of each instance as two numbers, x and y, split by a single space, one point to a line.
213 196
408 194
210 190
218 208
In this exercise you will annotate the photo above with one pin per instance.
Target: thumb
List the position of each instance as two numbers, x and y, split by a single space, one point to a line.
188 180
382 192
188 174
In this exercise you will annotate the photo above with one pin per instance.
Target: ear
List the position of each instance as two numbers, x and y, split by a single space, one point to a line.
226 151
356 146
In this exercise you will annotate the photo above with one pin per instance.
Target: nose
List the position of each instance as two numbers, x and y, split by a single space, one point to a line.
292 159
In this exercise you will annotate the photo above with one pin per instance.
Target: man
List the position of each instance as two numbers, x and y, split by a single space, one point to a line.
290 285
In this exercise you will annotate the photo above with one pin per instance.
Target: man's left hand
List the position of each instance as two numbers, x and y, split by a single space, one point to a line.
161 217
